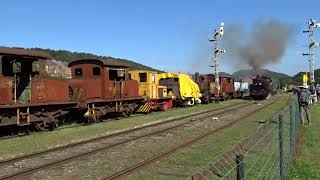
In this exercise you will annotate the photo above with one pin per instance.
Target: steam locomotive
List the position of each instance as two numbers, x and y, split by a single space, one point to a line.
261 88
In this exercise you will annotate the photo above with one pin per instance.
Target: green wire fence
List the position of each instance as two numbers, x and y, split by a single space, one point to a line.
266 154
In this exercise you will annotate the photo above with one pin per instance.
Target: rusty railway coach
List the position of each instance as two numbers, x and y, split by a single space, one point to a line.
102 87
208 90
28 96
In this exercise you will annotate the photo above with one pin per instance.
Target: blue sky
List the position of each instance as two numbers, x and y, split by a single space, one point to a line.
168 35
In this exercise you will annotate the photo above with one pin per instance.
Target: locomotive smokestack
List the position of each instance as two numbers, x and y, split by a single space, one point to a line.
265 44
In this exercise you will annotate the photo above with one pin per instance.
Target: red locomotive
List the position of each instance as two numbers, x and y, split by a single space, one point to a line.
208 90
261 87
103 86
28 96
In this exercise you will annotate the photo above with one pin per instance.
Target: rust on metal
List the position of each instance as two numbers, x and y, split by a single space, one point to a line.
49 90
108 83
208 90
27 95
101 62
6 94
113 90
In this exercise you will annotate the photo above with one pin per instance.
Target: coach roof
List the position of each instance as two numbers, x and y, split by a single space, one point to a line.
23 52
104 62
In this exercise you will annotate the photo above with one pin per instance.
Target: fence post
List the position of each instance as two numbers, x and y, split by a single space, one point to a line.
292 131
240 167
281 155
298 112
296 121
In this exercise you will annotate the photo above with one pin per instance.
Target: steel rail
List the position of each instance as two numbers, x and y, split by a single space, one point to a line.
42 152
171 151
31 170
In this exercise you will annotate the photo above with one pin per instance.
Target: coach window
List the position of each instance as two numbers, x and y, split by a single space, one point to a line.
16 67
35 67
96 71
143 77
116 74
78 72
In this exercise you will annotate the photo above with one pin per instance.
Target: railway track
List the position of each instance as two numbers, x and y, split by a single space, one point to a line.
28 132
145 163
148 130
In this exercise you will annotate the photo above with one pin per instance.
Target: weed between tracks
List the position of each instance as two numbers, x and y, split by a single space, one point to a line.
36 141
191 160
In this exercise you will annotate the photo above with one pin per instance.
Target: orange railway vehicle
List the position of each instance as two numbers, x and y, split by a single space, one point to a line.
28 96
102 87
208 89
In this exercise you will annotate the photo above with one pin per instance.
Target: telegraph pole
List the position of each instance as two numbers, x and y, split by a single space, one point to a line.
218 33
312 24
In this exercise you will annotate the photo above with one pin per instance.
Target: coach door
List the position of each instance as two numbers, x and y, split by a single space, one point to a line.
117 75
22 71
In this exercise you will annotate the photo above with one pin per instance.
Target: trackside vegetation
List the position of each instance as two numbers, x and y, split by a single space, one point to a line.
307 158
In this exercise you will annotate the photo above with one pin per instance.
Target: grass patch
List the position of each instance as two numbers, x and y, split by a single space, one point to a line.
38 141
307 160
192 160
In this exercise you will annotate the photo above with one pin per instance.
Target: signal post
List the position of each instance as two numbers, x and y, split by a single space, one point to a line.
218 33
312 24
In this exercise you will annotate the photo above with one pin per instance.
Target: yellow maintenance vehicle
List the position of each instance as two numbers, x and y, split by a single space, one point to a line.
155 95
181 87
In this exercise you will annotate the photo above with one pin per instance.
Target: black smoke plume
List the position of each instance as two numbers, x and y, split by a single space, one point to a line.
264 44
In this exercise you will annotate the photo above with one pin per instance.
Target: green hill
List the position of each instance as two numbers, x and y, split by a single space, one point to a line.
265 72
277 78
225 74
67 56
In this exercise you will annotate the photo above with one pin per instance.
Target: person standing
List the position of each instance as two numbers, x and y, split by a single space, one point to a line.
304 95
318 91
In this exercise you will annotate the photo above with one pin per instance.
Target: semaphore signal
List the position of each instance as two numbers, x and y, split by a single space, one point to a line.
312 24
218 33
